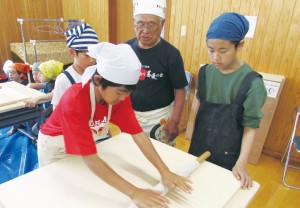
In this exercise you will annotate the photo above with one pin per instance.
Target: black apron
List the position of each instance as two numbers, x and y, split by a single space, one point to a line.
218 127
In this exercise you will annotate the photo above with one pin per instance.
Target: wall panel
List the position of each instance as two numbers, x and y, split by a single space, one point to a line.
95 12
10 10
125 28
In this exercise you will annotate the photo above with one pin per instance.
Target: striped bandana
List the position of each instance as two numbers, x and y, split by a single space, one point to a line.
81 37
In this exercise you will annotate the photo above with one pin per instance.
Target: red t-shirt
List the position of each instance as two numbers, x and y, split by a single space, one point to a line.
71 119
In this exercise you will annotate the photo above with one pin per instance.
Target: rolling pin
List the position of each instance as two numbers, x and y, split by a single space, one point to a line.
185 172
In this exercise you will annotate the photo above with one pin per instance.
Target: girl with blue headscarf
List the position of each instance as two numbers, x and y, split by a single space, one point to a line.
231 95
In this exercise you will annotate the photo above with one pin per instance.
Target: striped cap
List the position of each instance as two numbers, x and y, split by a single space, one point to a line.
81 37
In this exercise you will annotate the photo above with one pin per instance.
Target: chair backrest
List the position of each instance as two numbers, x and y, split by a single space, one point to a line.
188 87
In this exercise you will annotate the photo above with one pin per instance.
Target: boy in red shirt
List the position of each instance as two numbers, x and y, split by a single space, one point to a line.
83 114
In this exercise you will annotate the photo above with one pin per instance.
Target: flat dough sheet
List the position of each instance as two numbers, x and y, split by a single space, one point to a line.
10 96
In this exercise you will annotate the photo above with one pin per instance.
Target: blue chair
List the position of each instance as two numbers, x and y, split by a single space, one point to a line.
187 95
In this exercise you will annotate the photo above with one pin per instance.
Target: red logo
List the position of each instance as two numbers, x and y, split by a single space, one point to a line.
143 74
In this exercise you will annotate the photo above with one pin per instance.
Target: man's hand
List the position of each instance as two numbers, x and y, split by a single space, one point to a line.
172 130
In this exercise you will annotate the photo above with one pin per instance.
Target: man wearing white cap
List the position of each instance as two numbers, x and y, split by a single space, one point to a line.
83 114
160 93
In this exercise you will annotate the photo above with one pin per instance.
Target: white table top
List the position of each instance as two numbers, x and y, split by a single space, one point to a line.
13 96
69 183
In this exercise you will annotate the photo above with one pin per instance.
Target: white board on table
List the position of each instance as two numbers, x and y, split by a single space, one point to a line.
9 96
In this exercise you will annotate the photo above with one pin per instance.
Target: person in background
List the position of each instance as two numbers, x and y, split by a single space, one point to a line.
35 71
3 77
78 39
231 96
4 72
48 71
18 73
35 74
160 93
84 112
47 74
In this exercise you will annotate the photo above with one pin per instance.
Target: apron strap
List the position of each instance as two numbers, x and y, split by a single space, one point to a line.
245 86
201 83
93 102
105 129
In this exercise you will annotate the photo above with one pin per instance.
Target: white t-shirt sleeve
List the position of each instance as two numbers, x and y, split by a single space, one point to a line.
62 83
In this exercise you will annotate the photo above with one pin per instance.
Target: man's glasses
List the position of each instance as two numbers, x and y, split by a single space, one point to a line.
150 26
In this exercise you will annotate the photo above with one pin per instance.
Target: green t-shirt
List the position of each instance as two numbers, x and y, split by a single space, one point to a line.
222 88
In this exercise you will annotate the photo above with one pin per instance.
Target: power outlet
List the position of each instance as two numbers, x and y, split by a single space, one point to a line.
183 30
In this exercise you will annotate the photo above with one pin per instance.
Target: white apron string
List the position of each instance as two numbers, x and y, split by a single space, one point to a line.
104 131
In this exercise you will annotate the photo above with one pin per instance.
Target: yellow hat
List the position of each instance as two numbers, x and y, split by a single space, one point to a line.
51 69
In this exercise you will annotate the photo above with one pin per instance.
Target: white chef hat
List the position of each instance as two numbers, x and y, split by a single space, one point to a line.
155 7
115 63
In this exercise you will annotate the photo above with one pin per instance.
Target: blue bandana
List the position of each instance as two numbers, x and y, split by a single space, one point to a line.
228 26
81 37
35 66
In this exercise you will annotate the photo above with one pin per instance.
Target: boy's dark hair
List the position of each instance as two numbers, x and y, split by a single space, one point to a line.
106 83
236 43
78 51
19 72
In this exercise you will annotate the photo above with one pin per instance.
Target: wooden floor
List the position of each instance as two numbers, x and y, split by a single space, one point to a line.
268 173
